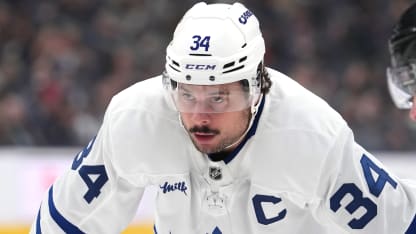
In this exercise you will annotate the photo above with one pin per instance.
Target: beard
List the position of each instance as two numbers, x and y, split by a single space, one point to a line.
222 146
226 143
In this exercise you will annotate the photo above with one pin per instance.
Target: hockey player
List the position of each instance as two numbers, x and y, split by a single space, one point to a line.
401 76
232 146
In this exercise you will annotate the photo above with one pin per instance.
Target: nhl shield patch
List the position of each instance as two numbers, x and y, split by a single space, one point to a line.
215 173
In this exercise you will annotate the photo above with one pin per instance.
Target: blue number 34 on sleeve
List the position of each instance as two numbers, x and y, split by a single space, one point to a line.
87 172
375 187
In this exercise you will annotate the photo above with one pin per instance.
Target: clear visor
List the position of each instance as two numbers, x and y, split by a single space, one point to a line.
402 85
231 97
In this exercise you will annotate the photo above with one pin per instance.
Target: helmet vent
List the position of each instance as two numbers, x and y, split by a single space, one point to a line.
174 68
242 59
175 63
228 65
235 69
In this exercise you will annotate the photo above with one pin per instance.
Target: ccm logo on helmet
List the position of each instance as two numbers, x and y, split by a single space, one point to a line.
244 17
200 66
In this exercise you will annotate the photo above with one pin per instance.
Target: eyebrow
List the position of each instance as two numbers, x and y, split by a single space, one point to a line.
220 92
183 89
216 92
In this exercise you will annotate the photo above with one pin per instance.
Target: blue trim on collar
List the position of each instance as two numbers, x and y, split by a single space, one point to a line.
412 227
38 227
250 133
62 222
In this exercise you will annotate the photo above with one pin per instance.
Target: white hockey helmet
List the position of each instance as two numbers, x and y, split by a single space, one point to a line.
213 45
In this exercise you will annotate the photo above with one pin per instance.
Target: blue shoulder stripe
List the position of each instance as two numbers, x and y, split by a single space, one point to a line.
412 227
38 229
63 223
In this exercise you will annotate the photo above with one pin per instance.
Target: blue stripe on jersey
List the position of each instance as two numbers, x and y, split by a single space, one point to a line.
250 133
64 224
38 229
412 227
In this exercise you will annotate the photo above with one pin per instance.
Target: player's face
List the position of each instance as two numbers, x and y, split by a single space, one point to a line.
213 132
412 112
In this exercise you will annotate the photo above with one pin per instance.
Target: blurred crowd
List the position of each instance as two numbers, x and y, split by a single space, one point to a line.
61 61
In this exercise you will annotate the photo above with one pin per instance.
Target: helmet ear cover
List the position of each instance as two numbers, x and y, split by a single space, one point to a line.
401 84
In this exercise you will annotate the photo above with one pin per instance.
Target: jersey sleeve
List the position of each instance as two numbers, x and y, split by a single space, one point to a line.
361 195
91 196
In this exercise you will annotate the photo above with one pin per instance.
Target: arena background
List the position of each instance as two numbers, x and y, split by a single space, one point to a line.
61 61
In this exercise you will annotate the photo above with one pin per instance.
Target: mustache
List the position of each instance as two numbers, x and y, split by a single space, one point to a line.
203 129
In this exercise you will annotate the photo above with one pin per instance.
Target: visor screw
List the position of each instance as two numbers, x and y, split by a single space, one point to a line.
188 77
211 78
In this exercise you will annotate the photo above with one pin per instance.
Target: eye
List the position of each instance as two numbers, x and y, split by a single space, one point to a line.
187 97
217 99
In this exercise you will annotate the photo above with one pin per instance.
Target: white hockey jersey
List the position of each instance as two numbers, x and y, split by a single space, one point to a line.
298 170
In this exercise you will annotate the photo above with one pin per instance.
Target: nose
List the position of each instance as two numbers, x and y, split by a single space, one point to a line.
200 114
200 118
412 112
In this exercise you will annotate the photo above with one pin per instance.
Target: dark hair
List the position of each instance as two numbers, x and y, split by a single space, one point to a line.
266 82
263 79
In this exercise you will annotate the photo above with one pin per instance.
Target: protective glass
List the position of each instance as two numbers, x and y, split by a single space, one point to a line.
402 85
231 97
